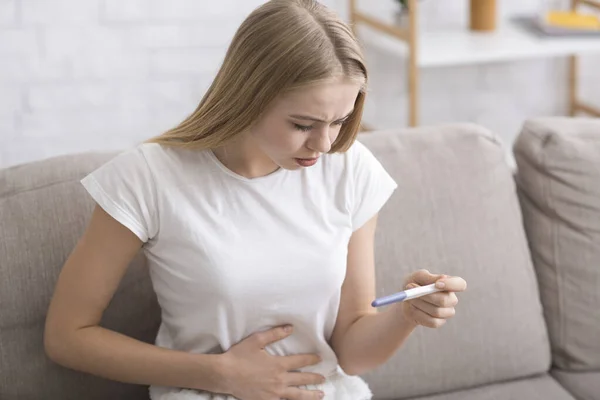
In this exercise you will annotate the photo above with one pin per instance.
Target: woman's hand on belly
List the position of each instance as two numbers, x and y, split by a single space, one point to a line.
250 373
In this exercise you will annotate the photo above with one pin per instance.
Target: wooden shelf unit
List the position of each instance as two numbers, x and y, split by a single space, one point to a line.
477 48
575 104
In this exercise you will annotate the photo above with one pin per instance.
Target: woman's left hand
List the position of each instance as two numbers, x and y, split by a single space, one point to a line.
432 310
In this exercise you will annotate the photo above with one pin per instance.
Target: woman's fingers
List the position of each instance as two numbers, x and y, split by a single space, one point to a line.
448 283
452 284
432 310
304 378
423 277
441 299
423 318
302 394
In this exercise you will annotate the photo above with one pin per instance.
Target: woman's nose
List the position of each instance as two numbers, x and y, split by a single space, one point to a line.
320 141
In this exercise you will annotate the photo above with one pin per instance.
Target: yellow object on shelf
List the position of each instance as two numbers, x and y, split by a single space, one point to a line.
572 20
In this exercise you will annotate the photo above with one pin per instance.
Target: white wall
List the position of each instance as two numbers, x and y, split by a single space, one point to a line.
105 74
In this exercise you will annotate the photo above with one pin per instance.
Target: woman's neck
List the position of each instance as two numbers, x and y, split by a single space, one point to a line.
243 157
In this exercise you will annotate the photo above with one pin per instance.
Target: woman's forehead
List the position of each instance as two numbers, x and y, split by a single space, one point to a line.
324 95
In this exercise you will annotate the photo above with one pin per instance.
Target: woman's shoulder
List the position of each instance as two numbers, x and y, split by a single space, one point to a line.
348 160
358 164
163 165
155 156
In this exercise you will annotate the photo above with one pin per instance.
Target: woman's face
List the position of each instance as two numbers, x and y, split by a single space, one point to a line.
303 124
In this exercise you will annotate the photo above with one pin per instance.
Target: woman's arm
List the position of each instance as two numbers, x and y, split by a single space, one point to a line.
364 338
73 337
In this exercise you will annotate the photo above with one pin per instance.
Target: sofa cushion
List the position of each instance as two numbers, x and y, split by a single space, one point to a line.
583 385
456 211
535 388
43 211
559 184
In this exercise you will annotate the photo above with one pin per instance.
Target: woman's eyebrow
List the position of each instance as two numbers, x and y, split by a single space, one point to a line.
309 118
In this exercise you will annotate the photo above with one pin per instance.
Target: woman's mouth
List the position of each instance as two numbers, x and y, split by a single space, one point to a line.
306 162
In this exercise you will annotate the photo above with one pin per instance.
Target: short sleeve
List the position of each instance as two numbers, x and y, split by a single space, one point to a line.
372 185
124 187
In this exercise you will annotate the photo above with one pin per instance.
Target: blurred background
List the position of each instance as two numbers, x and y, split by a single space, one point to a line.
79 75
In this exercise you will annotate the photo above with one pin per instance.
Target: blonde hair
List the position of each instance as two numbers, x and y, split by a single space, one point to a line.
281 46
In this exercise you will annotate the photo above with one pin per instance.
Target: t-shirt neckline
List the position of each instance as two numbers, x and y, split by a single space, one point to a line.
237 176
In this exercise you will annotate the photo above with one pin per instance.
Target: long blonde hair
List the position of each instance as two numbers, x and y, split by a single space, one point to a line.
281 46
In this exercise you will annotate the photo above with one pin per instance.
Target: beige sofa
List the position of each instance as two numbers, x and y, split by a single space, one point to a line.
527 241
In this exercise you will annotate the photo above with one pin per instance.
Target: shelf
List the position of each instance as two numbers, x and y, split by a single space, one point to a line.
390 29
459 46
586 108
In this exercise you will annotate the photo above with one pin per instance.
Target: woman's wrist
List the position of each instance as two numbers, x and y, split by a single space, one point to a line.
402 317
210 372
222 371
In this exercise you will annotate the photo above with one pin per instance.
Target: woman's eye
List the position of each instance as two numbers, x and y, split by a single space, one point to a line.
302 128
341 122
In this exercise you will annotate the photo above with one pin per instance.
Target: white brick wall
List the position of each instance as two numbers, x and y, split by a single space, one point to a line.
104 74
79 75
58 12
8 13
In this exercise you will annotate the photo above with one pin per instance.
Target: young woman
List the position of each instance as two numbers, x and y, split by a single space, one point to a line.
257 215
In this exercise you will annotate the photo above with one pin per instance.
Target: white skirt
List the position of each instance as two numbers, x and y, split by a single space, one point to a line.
339 386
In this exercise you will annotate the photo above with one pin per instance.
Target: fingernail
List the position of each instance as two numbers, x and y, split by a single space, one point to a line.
321 395
440 284
287 328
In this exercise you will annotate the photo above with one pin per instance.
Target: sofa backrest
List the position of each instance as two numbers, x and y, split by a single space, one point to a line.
43 212
456 211
559 185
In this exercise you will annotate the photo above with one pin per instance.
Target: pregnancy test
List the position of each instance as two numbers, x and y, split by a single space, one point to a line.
405 295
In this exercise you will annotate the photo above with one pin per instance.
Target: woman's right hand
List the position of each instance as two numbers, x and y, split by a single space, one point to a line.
250 373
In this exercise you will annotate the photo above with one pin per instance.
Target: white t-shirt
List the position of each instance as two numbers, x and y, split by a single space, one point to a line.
230 256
